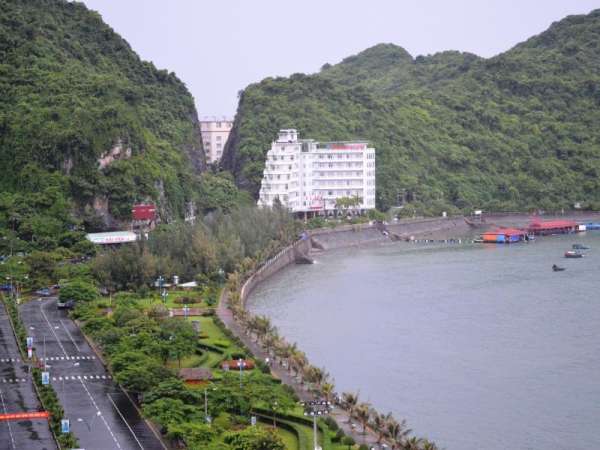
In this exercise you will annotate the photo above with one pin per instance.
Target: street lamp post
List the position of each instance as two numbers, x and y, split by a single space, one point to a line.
206 417
314 409
241 364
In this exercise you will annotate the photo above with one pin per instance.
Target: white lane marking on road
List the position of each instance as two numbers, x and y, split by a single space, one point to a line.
12 439
62 322
52 329
101 415
123 418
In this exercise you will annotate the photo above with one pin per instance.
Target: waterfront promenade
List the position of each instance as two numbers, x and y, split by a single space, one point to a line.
340 415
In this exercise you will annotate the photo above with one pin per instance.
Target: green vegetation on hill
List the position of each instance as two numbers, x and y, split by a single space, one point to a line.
71 90
452 130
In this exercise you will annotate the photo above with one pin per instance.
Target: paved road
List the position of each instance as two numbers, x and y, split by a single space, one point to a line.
17 395
101 416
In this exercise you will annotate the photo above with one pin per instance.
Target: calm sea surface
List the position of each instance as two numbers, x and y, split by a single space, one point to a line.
477 346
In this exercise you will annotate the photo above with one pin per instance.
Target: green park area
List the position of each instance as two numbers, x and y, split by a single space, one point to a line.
146 347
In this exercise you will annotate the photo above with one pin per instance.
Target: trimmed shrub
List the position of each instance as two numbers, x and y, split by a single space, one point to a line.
331 423
339 435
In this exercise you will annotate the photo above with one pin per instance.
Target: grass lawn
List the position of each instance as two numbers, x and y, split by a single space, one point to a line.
289 439
188 361
173 295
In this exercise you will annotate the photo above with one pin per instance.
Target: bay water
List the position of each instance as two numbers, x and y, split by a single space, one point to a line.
477 346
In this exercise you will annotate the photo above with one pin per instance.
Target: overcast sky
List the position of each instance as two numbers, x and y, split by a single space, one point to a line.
217 47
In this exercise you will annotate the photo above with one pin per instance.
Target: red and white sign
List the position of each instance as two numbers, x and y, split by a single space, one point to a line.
25 415
317 202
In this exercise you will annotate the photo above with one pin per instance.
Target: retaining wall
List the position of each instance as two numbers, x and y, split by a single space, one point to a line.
282 259
353 235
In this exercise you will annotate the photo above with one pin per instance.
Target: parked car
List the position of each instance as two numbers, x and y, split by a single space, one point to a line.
65 304
44 292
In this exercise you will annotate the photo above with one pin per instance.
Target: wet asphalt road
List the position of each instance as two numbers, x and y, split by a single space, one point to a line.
17 395
101 416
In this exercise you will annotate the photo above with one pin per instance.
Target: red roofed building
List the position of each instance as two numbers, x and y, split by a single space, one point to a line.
552 227
144 212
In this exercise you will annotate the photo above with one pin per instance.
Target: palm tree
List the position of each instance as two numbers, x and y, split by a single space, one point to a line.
298 360
428 445
379 424
263 326
397 432
327 390
252 326
363 414
270 341
350 401
279 349
321 376
291 350
412 444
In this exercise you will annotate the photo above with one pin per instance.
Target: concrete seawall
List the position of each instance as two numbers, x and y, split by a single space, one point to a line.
355 235
284 258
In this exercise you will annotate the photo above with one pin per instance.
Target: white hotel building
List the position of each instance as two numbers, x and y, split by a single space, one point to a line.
309 176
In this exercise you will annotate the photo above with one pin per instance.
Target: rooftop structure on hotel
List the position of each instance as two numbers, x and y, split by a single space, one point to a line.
307 176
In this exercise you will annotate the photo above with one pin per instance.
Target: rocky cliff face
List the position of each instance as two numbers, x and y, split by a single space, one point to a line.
79 108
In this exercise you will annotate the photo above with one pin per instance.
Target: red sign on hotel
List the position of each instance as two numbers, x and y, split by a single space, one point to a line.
347 146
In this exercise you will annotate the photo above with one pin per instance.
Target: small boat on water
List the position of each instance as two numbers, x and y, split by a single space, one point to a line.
557 268
573 254
580 247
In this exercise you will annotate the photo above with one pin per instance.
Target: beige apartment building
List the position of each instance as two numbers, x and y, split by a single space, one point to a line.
215 132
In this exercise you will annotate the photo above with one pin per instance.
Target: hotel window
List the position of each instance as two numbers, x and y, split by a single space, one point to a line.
218 138
218 124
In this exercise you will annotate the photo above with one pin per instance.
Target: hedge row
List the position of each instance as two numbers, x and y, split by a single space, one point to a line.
51 404
17 324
